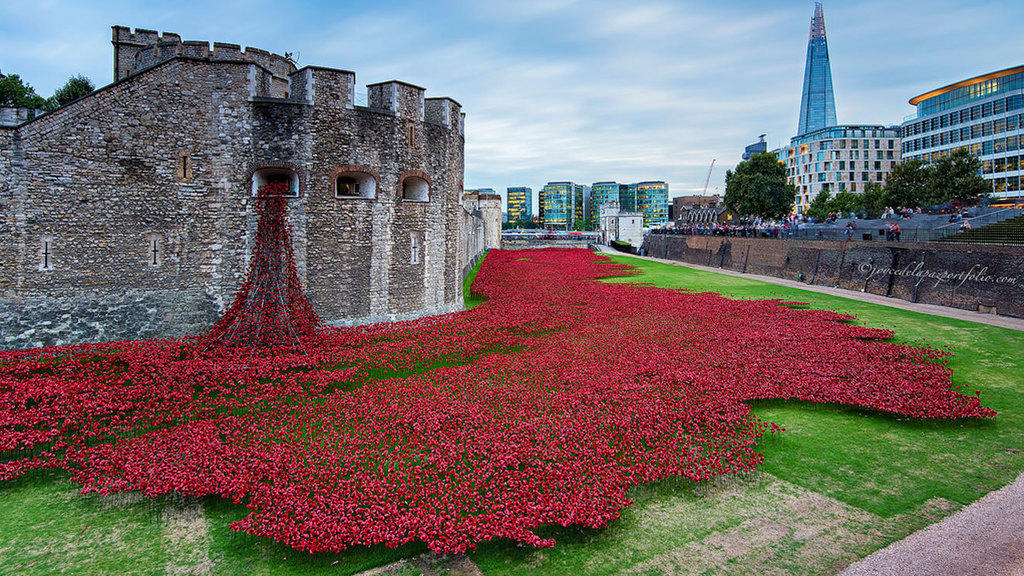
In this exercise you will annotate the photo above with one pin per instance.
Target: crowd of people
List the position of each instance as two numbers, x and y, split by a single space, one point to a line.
803 225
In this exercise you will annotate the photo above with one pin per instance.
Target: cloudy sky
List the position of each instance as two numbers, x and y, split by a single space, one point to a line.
573 90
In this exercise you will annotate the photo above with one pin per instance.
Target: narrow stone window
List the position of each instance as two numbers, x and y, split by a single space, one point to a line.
415 247
183 170
154 250
411 135
46 254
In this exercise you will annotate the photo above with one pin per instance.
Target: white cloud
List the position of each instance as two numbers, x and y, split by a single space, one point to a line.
586 90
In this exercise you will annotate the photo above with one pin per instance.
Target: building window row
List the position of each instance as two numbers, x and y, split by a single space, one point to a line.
976 112
980 130
348 184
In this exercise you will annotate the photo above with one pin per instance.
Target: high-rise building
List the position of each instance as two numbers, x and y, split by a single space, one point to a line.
755 148
519 203
982 114
627 197
818 103
825 156
580 202
563 203
839 159
601 192
652 200
557 205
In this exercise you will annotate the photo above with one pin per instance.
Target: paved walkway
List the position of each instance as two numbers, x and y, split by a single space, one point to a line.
984 539
945 311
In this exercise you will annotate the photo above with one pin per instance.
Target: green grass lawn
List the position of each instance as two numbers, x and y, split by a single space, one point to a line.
836 485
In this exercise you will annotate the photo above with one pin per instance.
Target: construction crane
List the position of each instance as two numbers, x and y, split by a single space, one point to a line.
708 179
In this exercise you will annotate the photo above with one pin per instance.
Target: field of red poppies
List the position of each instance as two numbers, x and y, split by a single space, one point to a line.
543 405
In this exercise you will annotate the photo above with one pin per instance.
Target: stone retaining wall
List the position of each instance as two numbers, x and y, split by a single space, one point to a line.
971 277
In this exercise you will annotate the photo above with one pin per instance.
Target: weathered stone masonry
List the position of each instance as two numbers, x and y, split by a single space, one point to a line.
129 213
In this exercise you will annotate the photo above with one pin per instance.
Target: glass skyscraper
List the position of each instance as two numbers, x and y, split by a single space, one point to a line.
818 103
826 156
519 203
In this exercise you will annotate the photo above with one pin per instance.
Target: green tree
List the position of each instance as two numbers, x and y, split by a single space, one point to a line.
15 93
873 200
758 187
583 225
75 88
819 207
956 178
845 202
909 184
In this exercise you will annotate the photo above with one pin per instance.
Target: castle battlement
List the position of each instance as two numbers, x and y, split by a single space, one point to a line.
138 50
141 49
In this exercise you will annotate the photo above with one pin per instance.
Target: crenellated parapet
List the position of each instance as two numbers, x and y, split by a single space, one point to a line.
140 49
277 77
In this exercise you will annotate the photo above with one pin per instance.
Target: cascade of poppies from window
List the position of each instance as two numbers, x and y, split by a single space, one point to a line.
270 309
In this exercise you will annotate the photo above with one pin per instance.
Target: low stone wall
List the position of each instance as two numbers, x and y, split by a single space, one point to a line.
971 277
520 241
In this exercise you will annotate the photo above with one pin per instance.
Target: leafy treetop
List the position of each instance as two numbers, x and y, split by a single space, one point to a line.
758 187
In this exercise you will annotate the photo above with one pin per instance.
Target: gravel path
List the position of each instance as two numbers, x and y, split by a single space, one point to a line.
944 311
984 539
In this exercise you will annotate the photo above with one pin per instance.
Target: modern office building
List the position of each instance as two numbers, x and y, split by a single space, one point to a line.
519 203
627 197
825 155
557 201
652 201
984 114
601 192
818 102
839 158
580 202
756 148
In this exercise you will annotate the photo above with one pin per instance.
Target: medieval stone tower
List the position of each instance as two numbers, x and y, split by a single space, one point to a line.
129 212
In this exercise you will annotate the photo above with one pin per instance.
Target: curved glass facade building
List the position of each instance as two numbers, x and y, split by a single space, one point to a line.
984 114
652 200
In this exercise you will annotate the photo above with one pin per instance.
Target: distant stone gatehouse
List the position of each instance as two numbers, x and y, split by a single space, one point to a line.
129 213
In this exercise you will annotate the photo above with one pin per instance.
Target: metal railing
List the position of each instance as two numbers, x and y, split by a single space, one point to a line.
1011 235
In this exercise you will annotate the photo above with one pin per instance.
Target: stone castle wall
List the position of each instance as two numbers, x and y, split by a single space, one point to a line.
972 277
171 154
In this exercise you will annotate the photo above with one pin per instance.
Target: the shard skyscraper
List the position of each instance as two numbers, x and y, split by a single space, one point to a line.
818 103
